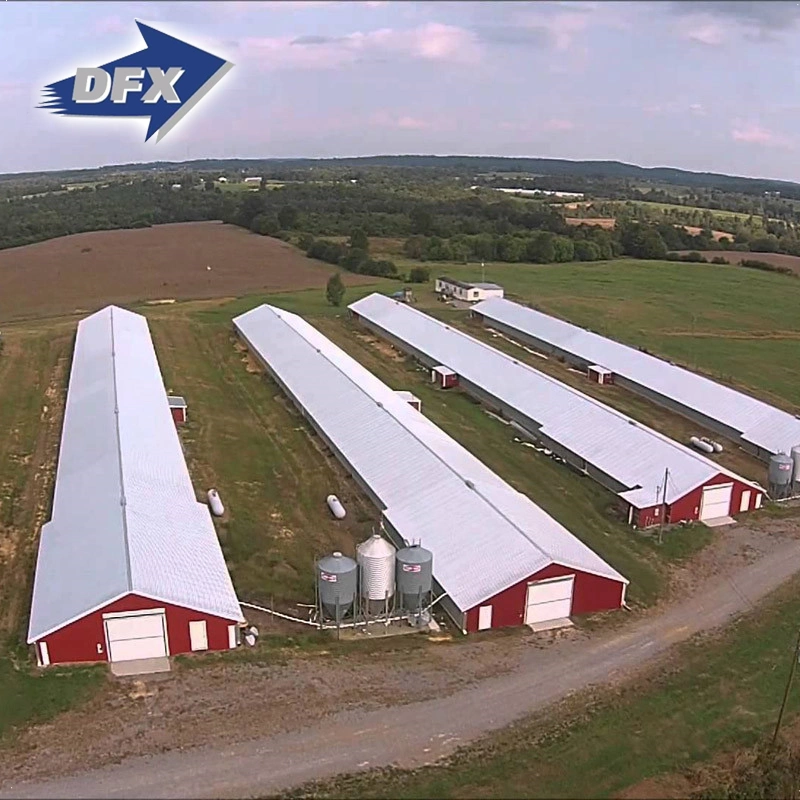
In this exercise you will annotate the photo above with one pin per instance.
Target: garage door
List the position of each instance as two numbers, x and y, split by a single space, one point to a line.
549 600
716 501
137 636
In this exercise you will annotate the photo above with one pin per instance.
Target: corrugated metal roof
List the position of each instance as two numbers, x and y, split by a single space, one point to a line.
485 536
759 423
125 516
631 453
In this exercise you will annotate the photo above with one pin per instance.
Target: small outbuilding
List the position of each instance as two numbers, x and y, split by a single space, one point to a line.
601 375
177 407
410 398
444 377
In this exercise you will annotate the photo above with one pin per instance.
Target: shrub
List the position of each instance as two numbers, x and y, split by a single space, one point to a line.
419 275
719 260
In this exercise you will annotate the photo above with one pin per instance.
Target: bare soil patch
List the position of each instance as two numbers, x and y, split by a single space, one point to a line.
229 702
86 271
695 231
600 222
736 257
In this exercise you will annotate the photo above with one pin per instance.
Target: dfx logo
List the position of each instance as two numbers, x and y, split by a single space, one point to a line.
163 82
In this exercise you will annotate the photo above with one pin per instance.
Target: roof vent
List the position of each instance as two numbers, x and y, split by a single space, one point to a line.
469 483
632 422
380 405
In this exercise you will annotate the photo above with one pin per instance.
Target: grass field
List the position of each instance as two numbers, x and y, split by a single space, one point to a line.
33 367
735 324
716 694
244 438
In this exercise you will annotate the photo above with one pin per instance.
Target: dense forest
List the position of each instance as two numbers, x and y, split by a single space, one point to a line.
613 171
334 212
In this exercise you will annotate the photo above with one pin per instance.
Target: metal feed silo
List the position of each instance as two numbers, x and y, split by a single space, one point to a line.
795 455
337 584
414 575
780 475
375 559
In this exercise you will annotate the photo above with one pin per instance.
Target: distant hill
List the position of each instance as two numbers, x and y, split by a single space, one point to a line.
550 167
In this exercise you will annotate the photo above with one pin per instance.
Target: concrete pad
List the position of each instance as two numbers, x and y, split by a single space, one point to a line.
140 666
551 625
719 522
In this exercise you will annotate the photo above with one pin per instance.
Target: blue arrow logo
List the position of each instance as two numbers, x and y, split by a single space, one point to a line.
163 82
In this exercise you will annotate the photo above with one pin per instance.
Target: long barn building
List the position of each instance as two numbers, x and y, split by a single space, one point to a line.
129 566
655 478
498 559
755 425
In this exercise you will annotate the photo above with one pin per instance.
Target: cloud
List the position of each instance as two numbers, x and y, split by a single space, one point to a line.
12 89
559 125
539 126
106 25
676 107
384 119
712 23
432 42
753 133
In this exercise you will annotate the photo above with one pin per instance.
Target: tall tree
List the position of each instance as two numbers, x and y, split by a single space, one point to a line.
335 290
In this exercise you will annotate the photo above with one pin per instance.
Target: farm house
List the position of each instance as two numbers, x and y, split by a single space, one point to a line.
499 560
655 478
129 565
757 427
467 291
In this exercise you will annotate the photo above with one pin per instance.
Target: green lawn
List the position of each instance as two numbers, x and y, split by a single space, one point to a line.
692 313
717 694
32 368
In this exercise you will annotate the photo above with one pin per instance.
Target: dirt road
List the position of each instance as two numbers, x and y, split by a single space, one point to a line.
419 733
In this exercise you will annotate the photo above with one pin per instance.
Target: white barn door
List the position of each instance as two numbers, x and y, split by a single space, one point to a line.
133 636
549 600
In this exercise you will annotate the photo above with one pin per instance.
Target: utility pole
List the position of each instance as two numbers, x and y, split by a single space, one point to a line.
663 507
483 272
795 657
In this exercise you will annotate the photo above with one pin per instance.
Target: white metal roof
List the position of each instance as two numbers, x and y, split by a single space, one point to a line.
175 401
125 517
759 423
634 455
485 535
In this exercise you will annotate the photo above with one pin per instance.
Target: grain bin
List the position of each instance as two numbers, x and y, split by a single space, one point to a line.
376 558
414 577
217 509
795 455
780 475
337 581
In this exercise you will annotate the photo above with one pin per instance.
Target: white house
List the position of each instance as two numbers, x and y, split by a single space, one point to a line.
467 291
253 179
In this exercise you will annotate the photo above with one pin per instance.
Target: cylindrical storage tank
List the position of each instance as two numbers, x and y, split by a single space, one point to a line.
337 509
414 576
375 559
217 509
780 475
796 472
337 583
699 444
717 447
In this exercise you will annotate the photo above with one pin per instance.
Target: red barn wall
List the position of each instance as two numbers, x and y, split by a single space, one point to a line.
591 593
78 641
687 508
178 414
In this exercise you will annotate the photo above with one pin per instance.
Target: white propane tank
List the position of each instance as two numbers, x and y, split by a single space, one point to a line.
337 509
717 447
700 444
217 509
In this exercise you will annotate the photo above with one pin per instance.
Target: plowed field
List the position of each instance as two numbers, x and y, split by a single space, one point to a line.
193 260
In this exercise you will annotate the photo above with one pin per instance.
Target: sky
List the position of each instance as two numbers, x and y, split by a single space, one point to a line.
707 86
